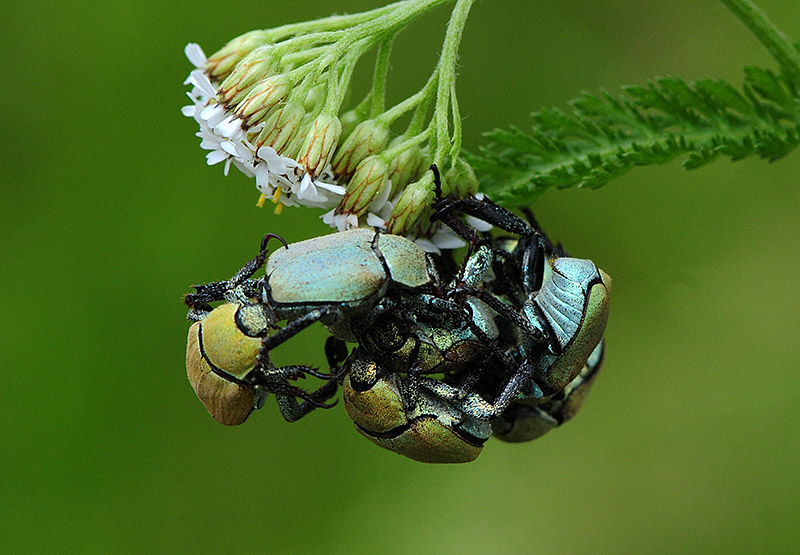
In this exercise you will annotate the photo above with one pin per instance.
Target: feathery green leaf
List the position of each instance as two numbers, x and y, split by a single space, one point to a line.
604 136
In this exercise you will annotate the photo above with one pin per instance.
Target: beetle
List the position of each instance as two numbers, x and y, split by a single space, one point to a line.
345 280
525 422
223 366
426 429
558 305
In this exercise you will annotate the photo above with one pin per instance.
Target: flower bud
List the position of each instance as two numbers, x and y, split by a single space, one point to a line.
223 61
369 137
460 180
281 126
253 68
263 97
350 119
405 167
365 186
414 202
314 97
320 141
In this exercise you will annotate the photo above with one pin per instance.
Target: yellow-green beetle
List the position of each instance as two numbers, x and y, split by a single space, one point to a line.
219 355
231 377
430 430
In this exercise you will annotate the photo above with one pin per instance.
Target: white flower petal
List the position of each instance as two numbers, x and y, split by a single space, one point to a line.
215 157
478 224
230 127
427 246
374 220
203 83
229 147
445 238
335 189
195 55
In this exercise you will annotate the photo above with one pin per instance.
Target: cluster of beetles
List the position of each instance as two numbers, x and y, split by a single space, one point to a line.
433 355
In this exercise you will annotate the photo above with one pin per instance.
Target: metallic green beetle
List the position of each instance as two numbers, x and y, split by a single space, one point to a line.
337 279
429 430
525 422
557 304
222 363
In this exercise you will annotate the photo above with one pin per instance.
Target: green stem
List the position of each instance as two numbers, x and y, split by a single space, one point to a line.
447 78
331 23
421 111
379 77
402 107
295 59
408 143
770 36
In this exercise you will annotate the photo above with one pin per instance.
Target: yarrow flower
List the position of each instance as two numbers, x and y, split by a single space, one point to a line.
279 178
269 104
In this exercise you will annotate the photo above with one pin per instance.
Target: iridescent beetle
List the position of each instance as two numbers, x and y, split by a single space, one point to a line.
348 281
559 306
382 394
429 429
555 309
525 422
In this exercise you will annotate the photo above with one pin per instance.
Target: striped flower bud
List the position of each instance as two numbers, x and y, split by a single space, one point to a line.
263 97
365 186
281 126
320 141
253 68
369 137
350 119
405 167
460 180
414 202
223 61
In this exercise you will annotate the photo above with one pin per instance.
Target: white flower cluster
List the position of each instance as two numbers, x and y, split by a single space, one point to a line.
279 178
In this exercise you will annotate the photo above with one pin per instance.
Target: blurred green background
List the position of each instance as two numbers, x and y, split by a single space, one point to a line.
689 440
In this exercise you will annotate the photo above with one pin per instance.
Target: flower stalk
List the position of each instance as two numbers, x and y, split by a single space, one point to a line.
270 104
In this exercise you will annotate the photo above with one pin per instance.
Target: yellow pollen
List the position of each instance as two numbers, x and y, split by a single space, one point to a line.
261 200
278 209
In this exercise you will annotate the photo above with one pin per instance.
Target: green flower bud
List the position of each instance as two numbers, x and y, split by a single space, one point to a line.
253 68
367 183
405 167
369 137
320 141
263 97
281 126
414 202
314 97
223 61
351 118
460 180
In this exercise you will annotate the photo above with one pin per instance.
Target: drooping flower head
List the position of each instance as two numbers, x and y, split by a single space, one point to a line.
270 102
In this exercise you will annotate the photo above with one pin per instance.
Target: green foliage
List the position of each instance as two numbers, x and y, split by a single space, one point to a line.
604 136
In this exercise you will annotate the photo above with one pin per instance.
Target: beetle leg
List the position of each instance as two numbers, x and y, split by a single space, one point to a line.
293 411
291 329
335 353
476 406
504 310
275 380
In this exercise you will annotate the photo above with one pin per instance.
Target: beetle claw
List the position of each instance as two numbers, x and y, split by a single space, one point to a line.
269 236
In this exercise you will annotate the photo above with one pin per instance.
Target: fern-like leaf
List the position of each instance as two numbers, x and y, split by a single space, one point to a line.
605 136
